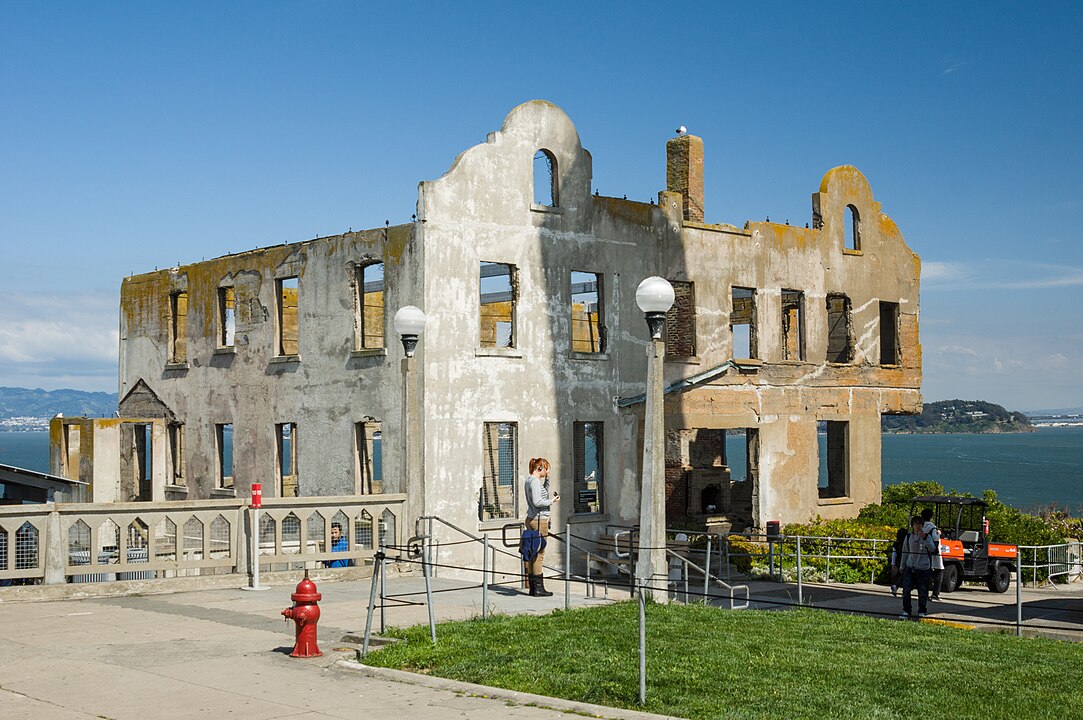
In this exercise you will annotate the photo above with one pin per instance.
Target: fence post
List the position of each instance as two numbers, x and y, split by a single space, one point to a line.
1018 592
485 576
381 556
54 549
707 572
642 648
727 542
428 588
829 560
800 588
372 603
567 566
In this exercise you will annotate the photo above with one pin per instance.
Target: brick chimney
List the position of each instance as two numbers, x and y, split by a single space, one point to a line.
684 173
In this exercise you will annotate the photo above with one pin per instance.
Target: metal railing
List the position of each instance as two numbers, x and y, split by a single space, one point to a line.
1040 564
104 542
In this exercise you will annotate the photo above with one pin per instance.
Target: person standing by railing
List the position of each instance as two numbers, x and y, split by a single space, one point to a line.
539 501
338 544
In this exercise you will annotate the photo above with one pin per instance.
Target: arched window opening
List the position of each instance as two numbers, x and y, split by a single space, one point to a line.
852 227
545 179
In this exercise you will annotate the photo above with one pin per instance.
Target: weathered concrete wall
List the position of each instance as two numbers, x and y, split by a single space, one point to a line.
481 210
324 388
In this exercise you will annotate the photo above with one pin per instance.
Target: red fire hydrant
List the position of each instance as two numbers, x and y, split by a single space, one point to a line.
305 613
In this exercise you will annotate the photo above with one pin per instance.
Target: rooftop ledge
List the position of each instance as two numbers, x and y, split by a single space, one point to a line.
549 209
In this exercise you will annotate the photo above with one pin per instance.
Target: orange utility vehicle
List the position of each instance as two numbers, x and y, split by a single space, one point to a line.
964 543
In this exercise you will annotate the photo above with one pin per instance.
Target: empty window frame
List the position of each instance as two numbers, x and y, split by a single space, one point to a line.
178 327
370 307
743 322
176 453
588 319
499 497
793 325
144 458
498 295
227 317
681 321
852 228
223 438
286 290
588 466
839 344
545 179
889 333
834 460
368 464
286 456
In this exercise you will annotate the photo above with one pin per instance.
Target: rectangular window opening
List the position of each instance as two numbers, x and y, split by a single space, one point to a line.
368 465
223 434
498 296
587 452
681 321
839 347
176 453
178 327
287 292
588 326
499 496
286 443
834 459
743 322
370 307
793 325
739 496
144 458
227 317
889 333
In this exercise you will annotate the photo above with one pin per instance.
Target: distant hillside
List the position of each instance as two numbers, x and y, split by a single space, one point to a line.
959 416
26 403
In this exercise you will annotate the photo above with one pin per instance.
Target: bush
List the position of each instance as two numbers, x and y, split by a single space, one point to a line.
870 567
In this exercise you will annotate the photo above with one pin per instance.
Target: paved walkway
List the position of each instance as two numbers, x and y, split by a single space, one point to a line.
223 653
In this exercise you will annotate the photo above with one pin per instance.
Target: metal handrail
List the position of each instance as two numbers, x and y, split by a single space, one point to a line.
708 576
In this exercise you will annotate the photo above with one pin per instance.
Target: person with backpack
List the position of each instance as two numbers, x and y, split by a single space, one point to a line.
933 533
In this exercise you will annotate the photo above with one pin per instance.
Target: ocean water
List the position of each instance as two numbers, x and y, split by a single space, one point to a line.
1027 470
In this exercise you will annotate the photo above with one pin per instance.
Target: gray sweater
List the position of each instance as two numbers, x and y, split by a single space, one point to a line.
538 499
918 552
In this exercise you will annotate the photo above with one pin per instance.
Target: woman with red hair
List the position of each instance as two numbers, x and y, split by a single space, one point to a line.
539 500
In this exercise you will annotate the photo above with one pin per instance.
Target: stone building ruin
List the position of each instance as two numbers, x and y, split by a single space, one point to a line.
280 365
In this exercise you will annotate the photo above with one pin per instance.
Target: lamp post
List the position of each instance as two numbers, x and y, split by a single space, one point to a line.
654 297
409 323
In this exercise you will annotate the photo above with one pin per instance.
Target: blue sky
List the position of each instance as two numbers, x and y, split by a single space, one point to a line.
140 135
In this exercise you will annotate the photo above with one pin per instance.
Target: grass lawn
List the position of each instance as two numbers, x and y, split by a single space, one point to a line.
708 663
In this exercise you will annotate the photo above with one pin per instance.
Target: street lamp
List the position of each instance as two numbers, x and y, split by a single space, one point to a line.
409 323
654 297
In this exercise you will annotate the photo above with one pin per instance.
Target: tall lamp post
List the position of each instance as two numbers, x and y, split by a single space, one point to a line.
409 323
654 297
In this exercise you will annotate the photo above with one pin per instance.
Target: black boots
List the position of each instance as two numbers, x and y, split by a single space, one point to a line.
537 586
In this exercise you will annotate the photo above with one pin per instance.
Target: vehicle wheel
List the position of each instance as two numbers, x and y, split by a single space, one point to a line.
950 580
1000 579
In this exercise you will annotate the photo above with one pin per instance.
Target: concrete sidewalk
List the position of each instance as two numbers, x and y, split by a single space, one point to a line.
216 653
220 653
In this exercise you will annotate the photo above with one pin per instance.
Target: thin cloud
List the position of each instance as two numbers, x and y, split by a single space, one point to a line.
47 334
958 350
999 275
